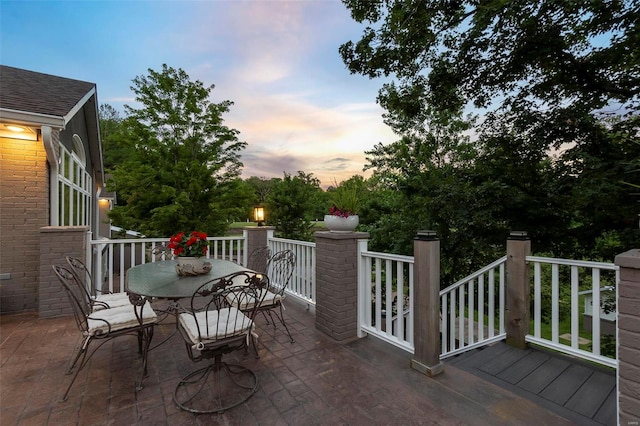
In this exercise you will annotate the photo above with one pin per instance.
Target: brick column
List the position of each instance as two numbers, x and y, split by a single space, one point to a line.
337 283
426 304
629 337
56 242
518 289
256 237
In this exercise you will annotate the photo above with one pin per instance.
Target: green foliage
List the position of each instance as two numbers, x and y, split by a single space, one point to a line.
556 152
524 55
348 195
181 167
291 204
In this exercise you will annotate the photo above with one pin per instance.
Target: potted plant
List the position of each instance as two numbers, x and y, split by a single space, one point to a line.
345 201
189 250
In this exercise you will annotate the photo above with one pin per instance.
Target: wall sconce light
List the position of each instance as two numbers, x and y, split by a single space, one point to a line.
258 215
18 131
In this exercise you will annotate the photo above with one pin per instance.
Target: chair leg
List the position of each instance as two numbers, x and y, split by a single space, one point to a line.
215 388
84 349
147 336
281 318
73 359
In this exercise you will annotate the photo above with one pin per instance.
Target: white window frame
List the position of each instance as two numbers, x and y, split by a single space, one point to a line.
74 186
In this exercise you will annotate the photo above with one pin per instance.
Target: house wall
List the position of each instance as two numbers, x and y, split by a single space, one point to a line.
24 209
629 337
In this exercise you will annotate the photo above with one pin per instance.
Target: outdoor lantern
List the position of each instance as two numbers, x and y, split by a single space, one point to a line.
258 215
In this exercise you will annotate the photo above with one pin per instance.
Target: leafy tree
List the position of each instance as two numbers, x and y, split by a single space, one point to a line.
291 204
544 74
115 148
183 163
561 59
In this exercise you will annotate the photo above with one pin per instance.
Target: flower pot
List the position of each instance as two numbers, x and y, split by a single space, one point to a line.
192 265
341 224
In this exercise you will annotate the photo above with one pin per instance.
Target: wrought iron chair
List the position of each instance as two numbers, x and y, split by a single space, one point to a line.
258 260
136 319
212 328
85 281
279 269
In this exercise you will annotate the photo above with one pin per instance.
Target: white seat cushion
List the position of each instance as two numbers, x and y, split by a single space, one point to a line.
231 323
119 318
249 301
113 300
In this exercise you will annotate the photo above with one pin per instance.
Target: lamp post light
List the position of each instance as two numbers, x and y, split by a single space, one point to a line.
258 215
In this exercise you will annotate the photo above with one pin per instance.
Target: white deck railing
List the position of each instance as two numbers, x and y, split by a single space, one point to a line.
472 310
385 297
113 257
569 281
303 281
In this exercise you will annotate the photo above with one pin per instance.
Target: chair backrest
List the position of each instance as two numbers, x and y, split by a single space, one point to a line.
77 298
82 274
280 269
259 259
160 252
215 304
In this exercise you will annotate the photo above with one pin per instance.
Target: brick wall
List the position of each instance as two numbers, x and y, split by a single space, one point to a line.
337 283
629 337
24 209
56 242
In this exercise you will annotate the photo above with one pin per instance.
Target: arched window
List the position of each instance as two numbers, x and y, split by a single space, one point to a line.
74 186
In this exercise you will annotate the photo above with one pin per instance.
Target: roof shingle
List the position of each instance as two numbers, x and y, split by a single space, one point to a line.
38 93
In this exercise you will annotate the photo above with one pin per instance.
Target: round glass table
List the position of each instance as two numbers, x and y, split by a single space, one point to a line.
160 279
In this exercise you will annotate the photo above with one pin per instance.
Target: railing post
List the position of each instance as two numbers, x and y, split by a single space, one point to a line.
518 289
628 308
337 283
426 304
256 237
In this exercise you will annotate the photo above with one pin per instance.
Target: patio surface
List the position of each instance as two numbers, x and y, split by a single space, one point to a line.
313 381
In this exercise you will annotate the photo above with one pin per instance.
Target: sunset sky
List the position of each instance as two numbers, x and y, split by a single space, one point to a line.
295 103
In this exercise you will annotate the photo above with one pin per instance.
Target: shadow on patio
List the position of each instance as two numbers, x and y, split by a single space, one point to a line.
313 381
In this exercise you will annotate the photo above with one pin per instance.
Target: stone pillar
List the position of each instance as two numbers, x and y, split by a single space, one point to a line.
337 283
518 289
56 242
629 337
256 237
426 304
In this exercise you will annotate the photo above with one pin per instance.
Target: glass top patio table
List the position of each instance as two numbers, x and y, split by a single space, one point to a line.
160 280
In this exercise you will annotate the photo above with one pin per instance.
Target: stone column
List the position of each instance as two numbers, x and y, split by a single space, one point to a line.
337 283
629 337
426 304
56 242
256 237
518 289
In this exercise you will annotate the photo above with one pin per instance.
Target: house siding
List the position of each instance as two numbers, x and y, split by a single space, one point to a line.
24 209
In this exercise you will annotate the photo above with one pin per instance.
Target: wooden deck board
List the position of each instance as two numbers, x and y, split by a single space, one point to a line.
588 399
581 392
502 361
523 367
607 413
562 388
536 383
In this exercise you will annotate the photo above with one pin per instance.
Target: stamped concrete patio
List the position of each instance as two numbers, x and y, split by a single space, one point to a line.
313 381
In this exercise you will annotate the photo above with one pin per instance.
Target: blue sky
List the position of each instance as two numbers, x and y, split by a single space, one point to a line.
295 103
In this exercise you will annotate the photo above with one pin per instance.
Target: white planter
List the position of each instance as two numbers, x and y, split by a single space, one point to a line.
341 224
192 265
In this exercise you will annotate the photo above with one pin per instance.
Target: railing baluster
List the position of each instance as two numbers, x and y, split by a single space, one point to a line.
555 294
575 321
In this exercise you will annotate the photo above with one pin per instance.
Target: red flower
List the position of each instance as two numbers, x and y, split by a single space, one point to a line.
194 244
